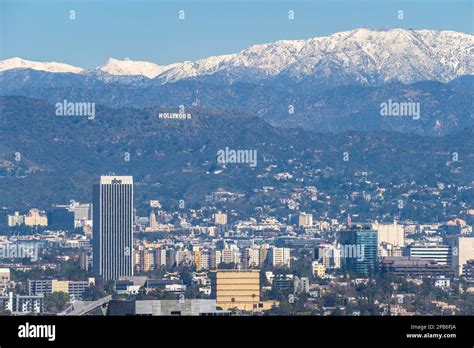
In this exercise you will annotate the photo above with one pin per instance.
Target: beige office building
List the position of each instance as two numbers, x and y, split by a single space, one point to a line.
393 234
234 288
36 218
16 219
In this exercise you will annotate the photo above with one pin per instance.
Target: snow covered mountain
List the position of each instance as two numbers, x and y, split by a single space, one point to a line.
18 63
133 68
360 56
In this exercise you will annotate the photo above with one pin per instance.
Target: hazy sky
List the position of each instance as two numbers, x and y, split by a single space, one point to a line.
151 29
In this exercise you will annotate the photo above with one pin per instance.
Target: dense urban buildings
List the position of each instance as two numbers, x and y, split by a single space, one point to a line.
214 261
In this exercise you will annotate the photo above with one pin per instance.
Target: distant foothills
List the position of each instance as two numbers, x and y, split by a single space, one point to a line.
48 159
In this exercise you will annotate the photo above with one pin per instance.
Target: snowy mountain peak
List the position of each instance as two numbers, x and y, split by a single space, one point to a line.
362 56
18 63
130 68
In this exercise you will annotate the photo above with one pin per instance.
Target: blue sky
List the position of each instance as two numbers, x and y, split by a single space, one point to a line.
151 30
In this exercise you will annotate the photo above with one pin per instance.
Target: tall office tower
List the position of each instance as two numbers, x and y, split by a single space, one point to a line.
197 259
144 259
112 235
251 257
462 250
215 259
201 260
85 260
160 257
359 251
279 257
230 255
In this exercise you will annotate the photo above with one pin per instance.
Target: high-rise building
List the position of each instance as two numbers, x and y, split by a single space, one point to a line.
393 234
439 253
61 219
198 259
230 255
85 260
215 259
279 257
153 222
112 236
359 251
82 211
462 250
182 256
144 259
160 257
251 257
170 258
201 260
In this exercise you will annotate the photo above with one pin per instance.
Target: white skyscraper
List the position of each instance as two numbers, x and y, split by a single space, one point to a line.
113 219
462 250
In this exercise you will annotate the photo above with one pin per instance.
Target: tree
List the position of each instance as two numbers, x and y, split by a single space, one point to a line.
56 302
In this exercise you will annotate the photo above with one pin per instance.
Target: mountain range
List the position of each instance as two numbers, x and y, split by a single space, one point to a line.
359 56
328 84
